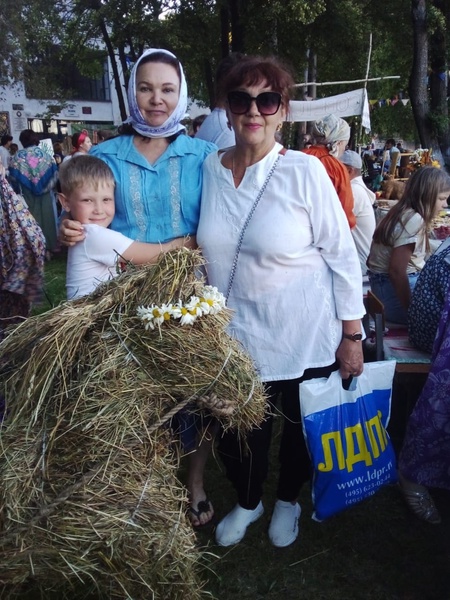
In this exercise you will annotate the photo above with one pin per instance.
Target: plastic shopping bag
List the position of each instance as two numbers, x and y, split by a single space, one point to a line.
345 431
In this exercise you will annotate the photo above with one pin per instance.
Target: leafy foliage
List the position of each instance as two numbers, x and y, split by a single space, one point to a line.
394 121
325 40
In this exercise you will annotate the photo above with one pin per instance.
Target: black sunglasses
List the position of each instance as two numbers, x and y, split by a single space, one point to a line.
268 103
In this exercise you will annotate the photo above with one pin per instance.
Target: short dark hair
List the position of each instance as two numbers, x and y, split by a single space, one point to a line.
5 139
251 70
105 134
28 138
197 121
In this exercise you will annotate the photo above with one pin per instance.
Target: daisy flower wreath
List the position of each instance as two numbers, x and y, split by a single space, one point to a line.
210 302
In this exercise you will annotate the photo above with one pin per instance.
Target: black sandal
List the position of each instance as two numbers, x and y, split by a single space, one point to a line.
203 506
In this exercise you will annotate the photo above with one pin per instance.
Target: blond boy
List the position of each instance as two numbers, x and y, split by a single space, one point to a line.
87 193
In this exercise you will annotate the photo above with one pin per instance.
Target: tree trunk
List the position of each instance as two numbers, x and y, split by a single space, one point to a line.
125 66
419 72
224 32
439 81
312 74
115 70
418 83
209 83
237 30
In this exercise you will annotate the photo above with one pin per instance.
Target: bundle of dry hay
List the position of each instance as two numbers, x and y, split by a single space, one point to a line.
89 492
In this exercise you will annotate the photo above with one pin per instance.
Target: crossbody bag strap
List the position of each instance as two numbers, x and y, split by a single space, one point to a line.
248 219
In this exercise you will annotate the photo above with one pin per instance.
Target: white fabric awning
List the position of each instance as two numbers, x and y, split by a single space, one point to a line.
342 105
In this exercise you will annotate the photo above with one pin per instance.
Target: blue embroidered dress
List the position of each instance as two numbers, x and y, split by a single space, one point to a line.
159 202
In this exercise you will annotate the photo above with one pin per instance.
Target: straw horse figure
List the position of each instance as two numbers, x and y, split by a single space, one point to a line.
89 497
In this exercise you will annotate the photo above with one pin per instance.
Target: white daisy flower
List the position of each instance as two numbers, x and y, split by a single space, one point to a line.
166 310
211 301
188 318
146 314
176 311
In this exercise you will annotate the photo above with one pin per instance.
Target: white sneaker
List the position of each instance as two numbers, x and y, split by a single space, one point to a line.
232 528
283 529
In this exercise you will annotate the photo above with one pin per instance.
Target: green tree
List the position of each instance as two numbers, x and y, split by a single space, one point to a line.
11 39
429 75
323 40
203 32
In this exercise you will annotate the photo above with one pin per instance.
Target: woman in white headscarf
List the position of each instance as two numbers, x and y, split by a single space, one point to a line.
156 167
158 174
331 135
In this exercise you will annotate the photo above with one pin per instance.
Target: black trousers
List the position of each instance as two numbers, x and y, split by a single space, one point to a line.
247 463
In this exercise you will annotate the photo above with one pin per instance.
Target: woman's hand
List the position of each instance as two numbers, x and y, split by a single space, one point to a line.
70 232
350 358
190 242
350 353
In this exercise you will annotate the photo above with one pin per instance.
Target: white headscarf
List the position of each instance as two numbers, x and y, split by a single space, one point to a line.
330 130
172 125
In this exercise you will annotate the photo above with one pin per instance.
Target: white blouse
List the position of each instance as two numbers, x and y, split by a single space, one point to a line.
298 272
412 232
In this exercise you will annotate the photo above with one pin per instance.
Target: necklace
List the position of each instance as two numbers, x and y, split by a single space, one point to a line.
233 172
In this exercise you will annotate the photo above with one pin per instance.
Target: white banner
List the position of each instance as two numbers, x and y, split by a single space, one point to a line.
342 105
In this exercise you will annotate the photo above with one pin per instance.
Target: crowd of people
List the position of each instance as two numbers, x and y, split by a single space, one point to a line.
287 236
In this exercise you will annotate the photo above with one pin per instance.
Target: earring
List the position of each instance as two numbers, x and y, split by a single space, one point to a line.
279 126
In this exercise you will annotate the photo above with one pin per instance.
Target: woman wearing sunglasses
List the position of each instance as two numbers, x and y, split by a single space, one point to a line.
278 244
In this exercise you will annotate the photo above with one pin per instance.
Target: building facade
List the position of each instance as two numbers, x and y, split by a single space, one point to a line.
94 107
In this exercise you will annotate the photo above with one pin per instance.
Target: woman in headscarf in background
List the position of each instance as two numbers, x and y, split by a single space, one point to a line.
331 135
34 172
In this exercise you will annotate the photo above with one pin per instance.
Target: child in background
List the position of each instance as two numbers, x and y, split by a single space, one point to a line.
400 242
87 193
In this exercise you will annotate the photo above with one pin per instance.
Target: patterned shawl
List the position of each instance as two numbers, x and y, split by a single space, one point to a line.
22 246
34 169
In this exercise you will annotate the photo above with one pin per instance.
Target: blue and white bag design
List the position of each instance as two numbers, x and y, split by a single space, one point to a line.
345 431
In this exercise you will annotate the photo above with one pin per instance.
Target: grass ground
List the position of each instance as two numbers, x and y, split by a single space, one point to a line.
54 287
376 550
